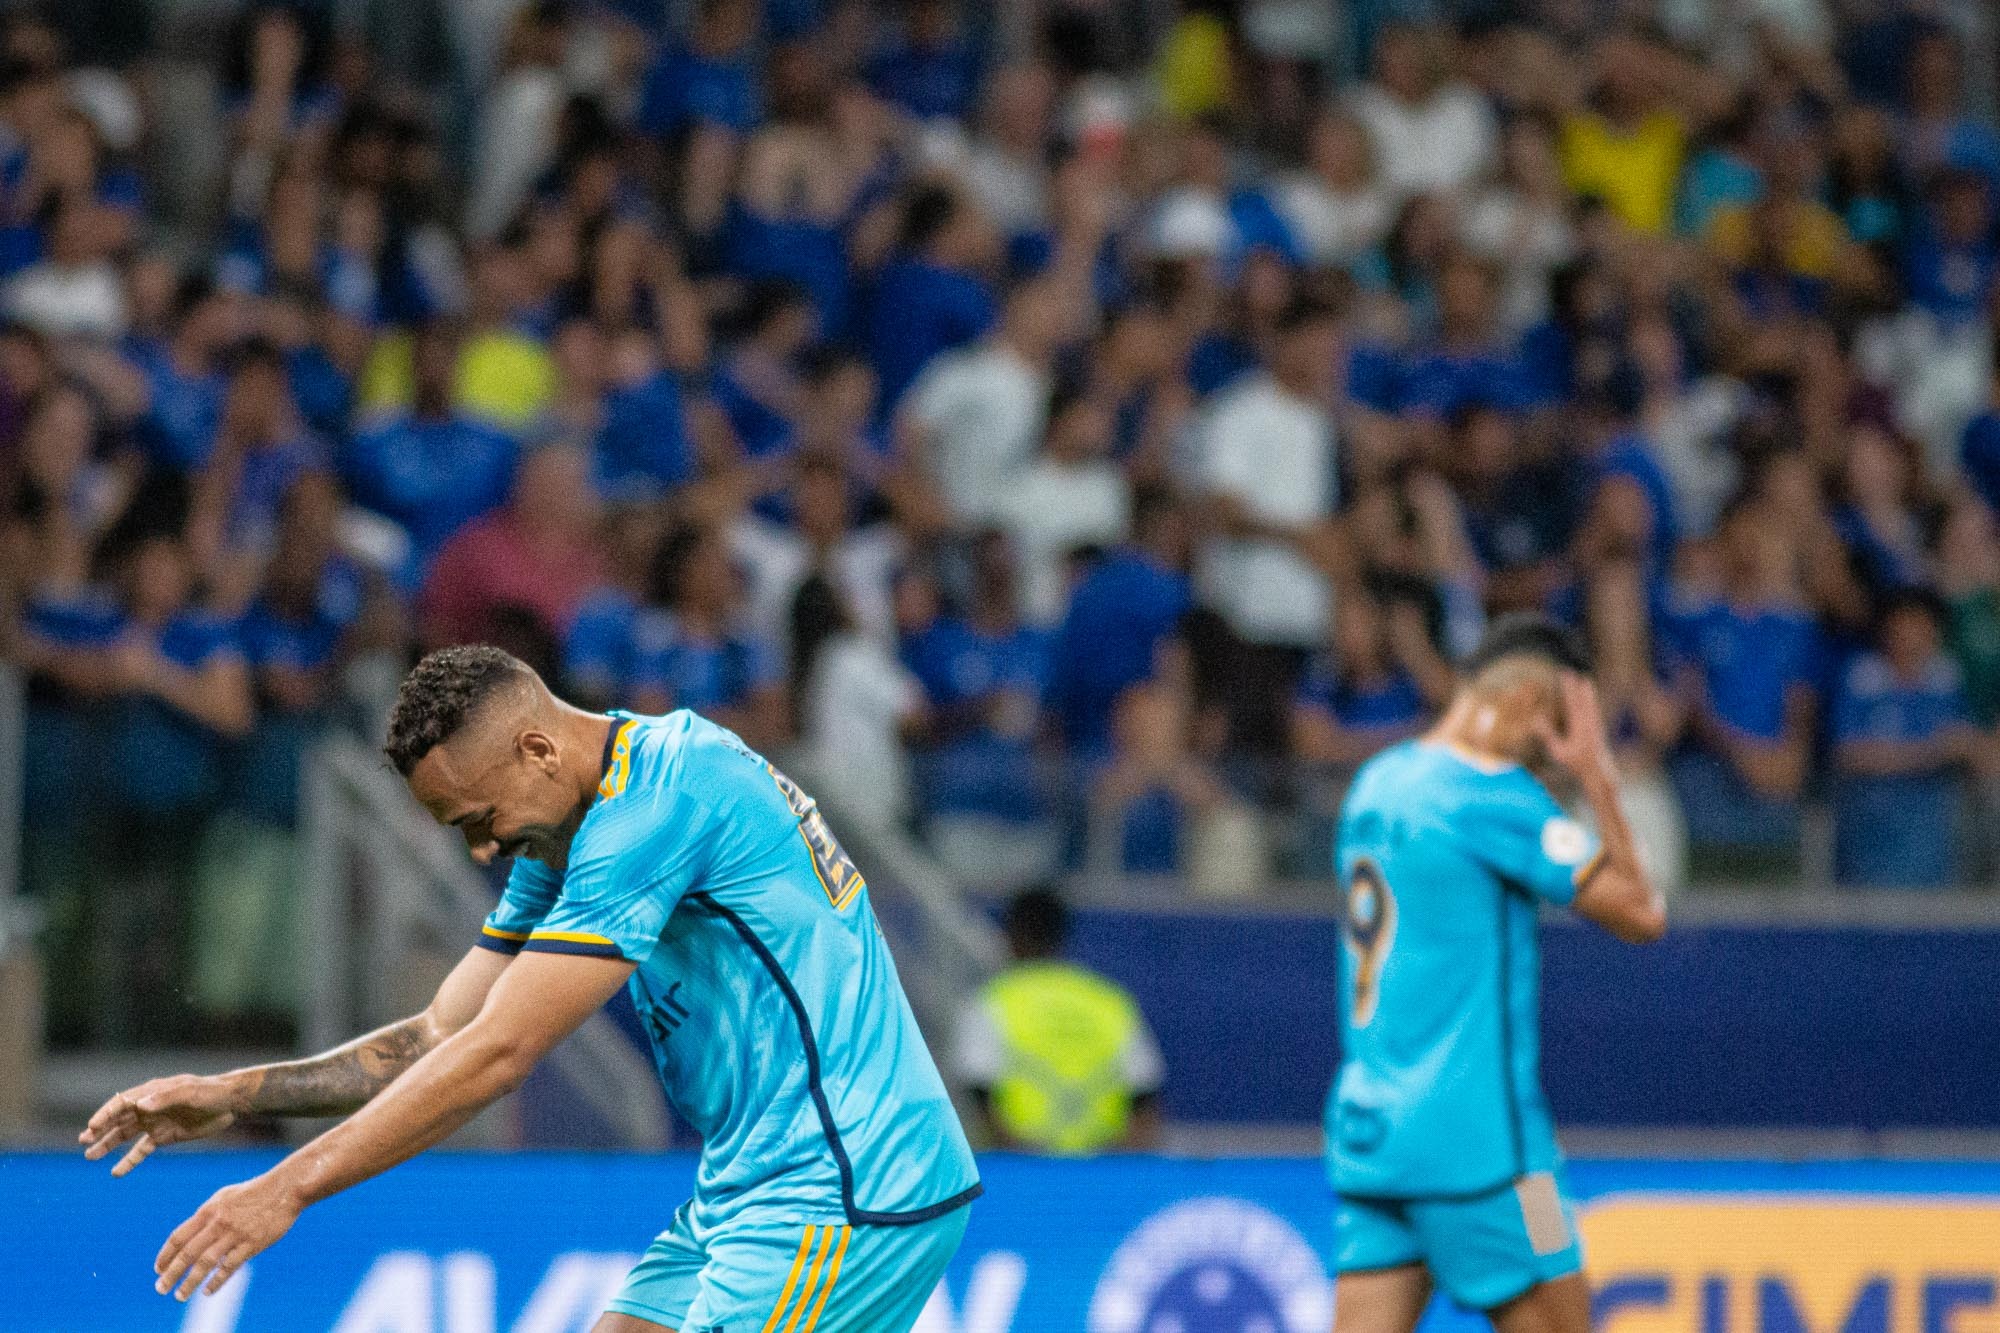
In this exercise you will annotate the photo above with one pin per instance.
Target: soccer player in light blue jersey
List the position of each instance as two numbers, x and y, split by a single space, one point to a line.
1438 1139
661 854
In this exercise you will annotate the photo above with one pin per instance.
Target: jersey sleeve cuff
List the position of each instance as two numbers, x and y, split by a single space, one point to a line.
508 942
1588 871
580 943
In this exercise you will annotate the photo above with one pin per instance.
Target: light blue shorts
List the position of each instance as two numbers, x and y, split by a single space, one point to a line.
1483 1251
791 1277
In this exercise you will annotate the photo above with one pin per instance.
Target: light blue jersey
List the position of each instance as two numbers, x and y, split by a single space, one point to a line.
778 1025
1445 862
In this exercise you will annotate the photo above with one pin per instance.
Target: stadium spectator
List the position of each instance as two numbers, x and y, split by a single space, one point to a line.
1126 606
1137 367
1968 560
184 374
261 449
537 553
656 434
316 612
1937 132
73 291
975 417
928 68
1902 742
1059 1059
759 386
1626 138
691 649
1952 256
1006 166
430 468
1750 659
929 297
597 643
801 180
64 498
1865 185
1157 806
1339 208
1885 523
1689 420
1465 360
1212 214
1269 469
518 117
171 690
1431 134
983 673
858 708
1520 223
838 425
1378 682
1520 509
825 540
1644 716
1071 496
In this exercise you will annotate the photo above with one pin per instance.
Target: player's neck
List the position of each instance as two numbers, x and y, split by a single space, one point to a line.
586 736
1466 731
592 733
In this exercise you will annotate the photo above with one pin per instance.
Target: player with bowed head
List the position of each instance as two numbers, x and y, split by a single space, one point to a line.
661 854
1439 1142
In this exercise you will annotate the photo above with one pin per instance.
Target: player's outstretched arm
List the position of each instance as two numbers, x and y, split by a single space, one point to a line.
193 1106
1616 893
538 1000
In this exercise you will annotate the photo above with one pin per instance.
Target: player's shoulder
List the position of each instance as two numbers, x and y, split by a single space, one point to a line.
643 758
1387 770
1421 768
1458 783
678 760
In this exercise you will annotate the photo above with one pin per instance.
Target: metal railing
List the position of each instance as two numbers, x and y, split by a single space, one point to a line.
386 888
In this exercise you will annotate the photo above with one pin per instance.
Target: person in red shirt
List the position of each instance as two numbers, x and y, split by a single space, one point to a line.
522 571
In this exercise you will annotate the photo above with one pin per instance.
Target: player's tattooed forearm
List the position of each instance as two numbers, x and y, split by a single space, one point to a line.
343 1079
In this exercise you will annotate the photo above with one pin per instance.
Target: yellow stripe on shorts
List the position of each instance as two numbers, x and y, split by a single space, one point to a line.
812 1279
832 1277
805 1243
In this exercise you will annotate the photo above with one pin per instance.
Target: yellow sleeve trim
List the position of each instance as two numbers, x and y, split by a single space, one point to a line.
567 936
503 934
1589 868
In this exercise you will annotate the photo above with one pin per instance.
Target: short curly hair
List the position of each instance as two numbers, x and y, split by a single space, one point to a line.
441 693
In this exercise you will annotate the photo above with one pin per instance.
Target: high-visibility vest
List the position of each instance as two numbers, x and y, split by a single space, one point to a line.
1065 1031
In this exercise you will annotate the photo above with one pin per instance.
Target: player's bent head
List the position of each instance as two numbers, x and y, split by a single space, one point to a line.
478 737
1515 675
1528 634
1037 922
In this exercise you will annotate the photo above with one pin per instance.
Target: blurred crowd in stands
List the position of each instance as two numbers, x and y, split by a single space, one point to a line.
1078 431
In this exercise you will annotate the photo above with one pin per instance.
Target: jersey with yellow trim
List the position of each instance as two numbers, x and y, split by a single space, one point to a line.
1444 863
778 1025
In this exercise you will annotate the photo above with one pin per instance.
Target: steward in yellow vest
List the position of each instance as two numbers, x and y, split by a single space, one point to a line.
1058 1058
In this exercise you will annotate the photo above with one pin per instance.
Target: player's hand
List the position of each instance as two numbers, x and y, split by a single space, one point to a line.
237 1223
1581 746
166 1110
